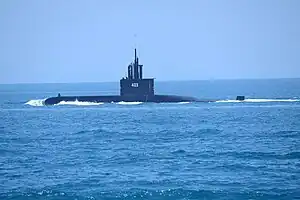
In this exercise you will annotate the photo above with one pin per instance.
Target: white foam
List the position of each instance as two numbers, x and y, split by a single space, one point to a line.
129 103
228 101
183 102
258 100
272 100
36 102
79 103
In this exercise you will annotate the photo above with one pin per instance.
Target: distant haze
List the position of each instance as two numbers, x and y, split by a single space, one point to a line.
93 41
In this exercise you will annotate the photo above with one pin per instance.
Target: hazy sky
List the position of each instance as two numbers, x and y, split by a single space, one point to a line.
93 40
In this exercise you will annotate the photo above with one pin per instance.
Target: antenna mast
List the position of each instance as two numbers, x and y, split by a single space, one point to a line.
135 36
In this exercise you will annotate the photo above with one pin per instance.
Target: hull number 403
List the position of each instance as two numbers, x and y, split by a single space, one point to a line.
134 84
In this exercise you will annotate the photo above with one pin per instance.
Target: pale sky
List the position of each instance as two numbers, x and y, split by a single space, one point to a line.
93 40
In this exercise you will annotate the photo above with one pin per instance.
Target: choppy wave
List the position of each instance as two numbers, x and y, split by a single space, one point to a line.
155 194
129 103
40 102
258 100
36 102
261 155
79 103
184 102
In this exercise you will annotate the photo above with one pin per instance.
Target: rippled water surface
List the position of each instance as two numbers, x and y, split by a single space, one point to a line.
220 150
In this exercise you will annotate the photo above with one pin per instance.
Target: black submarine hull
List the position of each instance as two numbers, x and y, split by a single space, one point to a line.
118 98
133 88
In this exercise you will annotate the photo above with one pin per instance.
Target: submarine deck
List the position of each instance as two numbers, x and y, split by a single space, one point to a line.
118 98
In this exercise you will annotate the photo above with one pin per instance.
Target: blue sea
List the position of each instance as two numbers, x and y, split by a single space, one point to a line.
132 150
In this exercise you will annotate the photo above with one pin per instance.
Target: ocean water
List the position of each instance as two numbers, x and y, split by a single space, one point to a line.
219 150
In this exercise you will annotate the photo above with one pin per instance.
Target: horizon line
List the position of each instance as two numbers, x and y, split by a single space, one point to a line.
170 80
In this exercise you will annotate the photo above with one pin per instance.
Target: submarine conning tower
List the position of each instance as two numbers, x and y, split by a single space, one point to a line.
134 84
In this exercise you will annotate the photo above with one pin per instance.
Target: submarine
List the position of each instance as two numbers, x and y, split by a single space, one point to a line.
133 88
